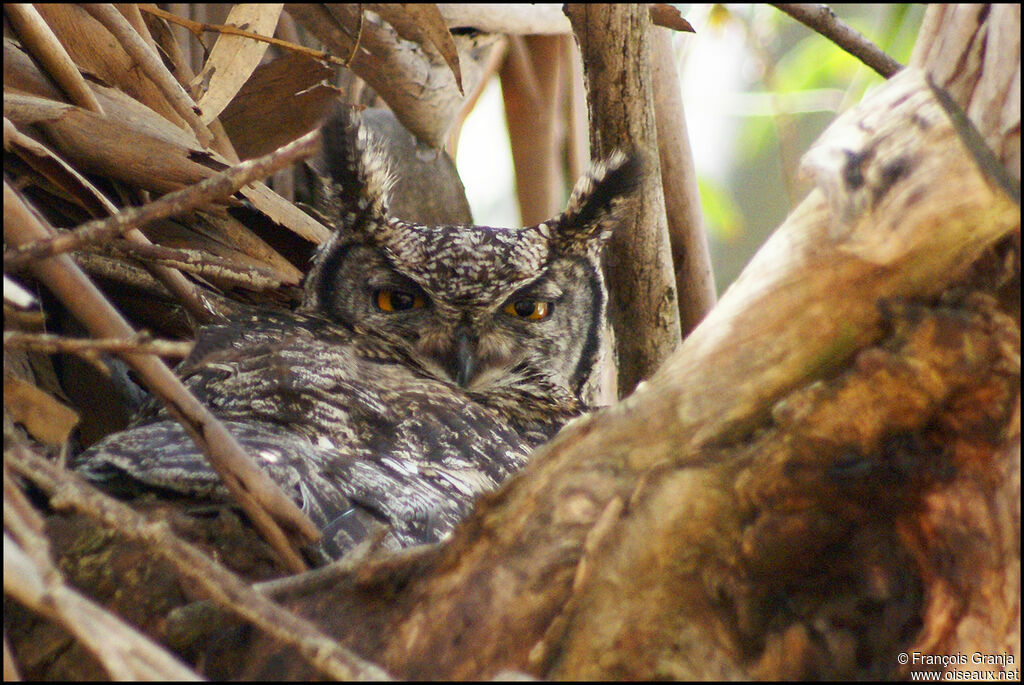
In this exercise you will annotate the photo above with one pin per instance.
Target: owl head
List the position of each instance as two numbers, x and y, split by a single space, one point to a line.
487 309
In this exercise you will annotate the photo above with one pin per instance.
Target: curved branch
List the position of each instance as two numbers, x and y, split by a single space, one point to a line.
822 19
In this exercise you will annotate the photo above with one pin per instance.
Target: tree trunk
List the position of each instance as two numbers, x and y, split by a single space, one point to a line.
614 43
695 283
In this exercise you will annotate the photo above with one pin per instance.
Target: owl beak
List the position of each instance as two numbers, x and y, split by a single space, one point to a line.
465 357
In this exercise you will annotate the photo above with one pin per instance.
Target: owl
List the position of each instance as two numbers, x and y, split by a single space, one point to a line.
423 366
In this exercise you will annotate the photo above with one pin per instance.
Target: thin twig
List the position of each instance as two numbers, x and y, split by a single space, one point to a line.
261 498
197 27
822 19
192 261
178 202
221 585
359 37
31 578
56 344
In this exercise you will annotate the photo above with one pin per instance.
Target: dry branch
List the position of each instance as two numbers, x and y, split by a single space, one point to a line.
31 578
149 63
209 190
190 261
197 27
89 347
59 172
37 36
90 46
262 500
822 19
219 584
691 257
125 653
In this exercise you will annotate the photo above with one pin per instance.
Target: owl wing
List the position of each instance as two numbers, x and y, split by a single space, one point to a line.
357 439
161 456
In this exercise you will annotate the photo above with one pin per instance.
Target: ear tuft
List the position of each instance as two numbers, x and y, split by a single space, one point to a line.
358 168
599 203
356 197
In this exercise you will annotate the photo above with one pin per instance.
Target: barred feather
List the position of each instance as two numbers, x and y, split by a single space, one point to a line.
397 418
355 439
599 202
359 170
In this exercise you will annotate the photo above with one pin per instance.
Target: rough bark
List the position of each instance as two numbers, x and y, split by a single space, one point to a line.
973 51
614 43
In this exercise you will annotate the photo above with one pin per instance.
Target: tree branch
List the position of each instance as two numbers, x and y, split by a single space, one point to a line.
259 496
691 257
209 190
150 64
37 37
91 348
643 305
822 19
194 567
31 578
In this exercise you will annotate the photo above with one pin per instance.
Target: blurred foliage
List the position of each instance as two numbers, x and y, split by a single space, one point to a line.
793 83
719 210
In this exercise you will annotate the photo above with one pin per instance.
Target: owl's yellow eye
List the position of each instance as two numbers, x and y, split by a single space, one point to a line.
534 310
397 300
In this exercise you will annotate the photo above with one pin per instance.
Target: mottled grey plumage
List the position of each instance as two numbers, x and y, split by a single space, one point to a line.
422 368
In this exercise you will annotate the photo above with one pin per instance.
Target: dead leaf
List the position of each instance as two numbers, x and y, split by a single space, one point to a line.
57 172
669 17
101 145
429 21
284 213
101 58
234 58
282 100
46 419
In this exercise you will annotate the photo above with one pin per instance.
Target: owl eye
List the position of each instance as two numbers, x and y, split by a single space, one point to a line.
534 310
397 300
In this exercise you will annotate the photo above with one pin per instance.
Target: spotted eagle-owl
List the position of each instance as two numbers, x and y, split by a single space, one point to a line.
423 366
